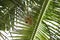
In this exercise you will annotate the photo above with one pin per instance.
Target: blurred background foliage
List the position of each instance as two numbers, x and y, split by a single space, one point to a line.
29 20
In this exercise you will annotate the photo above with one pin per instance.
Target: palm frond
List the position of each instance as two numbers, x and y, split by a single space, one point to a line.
21 19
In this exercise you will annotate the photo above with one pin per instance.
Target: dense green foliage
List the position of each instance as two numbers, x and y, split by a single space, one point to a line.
29 20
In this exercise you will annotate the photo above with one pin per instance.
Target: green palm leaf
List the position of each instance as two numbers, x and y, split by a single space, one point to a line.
51 20
29 19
